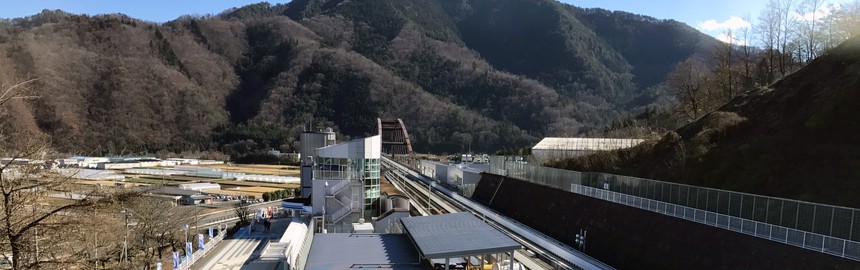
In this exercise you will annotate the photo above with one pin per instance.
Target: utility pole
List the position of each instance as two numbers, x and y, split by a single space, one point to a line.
429 193
124 255
35 237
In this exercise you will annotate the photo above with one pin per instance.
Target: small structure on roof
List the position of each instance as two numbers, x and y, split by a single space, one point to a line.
349 251
555 148
456 235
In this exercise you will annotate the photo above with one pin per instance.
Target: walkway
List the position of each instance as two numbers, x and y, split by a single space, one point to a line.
245 250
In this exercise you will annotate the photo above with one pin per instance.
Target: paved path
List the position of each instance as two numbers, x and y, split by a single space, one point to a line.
244 250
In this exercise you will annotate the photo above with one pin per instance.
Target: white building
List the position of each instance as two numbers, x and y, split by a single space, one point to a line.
117 166
464 176
154 172
351 170
67 162
168 163
267 178
90 162
184 161
199 186
557 148
210 162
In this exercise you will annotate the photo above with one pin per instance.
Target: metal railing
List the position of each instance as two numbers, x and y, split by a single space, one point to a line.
338 215
337 187
198 254
813 241
812 219
302 257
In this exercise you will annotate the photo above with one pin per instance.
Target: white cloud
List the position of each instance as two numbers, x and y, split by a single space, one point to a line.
732 23
727 38
822 12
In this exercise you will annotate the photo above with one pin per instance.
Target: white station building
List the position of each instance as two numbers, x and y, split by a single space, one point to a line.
346 182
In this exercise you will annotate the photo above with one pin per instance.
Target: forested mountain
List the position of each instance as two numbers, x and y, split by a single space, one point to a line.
795 139
484 74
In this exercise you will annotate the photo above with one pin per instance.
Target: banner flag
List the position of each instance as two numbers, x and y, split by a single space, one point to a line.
189 253
200 244
176 260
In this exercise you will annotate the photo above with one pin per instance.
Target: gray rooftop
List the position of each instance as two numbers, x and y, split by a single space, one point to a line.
456 235
175 191
377 251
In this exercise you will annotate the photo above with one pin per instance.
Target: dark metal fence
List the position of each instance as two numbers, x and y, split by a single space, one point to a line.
826 228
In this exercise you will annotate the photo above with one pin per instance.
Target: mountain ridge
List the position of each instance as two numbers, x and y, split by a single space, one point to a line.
194 81
792 139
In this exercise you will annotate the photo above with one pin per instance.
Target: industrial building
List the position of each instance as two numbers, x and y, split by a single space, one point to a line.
310 141
181 196
558 148
463 176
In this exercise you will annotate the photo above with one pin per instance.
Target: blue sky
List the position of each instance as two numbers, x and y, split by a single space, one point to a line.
693 12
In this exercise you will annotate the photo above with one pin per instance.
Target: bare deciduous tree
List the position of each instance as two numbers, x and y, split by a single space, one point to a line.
689 82
157 227
767 29
242 210
847 20
37 204
811 28
725 74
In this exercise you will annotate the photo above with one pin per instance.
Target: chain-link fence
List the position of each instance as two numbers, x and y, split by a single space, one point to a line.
811 225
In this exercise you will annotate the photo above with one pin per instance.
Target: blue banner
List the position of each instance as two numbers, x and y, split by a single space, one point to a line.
176 260
188 252
210 233
200 243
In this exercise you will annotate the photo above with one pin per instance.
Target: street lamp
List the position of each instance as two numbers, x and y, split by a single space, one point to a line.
580 239
325 204
124 255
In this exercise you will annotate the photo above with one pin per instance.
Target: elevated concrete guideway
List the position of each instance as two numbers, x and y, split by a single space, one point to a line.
562 254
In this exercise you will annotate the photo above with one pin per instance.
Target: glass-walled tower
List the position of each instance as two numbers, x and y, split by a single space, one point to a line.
357 161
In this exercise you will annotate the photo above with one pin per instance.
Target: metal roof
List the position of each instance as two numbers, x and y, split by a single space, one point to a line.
587 144
377 251
176 191
456 235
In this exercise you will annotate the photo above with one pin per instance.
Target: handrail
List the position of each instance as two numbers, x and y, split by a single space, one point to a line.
829 220
337 187
338 215
837 247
